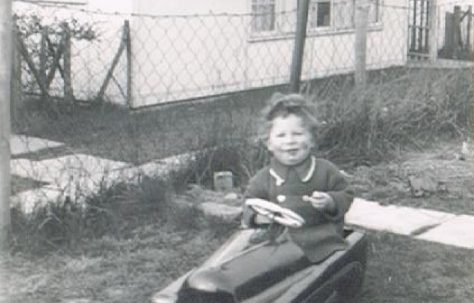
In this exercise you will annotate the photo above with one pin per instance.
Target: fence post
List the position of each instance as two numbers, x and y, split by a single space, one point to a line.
15 88
433 30
360 44
456 31
5 127
68 92
298 49
469 27
128 50
43 56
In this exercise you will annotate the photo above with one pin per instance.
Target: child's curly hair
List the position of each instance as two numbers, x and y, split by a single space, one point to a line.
281 105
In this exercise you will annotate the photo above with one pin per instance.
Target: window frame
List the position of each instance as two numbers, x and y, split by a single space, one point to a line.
259 19
279 29
314 23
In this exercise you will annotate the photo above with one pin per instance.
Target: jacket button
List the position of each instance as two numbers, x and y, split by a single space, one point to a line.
281 198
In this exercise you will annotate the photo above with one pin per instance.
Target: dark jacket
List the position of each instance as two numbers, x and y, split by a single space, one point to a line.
322 234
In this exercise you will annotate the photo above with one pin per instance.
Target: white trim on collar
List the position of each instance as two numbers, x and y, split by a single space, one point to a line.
311 170
279 180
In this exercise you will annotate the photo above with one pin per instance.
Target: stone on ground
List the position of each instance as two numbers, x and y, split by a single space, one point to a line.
396 219
459 231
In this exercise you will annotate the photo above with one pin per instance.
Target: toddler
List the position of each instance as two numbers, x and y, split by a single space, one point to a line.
296 179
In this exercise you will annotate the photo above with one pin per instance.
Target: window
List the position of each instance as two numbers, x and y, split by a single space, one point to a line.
374 11
319 14
343 14
263 15
338 14
277 18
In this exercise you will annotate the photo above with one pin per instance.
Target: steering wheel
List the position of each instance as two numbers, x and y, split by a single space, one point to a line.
274 212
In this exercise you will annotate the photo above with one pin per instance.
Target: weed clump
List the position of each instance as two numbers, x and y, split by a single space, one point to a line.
114 211
409 110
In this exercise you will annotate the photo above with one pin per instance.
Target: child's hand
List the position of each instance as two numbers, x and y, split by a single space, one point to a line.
321 201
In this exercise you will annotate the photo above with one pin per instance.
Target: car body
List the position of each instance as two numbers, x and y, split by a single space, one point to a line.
235 273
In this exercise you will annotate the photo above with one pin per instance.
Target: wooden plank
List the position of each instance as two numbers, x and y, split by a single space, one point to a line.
43 56
55 64
26 56
110 72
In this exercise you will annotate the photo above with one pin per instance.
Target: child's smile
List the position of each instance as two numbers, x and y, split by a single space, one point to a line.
289 140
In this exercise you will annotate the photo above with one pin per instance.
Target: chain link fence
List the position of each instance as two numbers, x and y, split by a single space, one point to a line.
138 60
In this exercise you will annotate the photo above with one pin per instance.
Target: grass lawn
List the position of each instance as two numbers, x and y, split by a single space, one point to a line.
400 269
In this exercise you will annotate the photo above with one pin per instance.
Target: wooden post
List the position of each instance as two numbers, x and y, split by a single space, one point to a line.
5 128
420 27
26 56
413 27
55 63
43 55
298 49
456 31
360 45
433 30
469 26
15 88
110 72
68 92
128 50
448 35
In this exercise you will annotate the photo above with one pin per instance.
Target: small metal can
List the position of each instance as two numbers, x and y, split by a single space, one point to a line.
223 181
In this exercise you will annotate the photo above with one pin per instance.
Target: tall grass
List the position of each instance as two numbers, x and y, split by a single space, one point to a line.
113 211
409 109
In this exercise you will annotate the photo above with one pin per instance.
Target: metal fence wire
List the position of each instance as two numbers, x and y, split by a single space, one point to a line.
138 60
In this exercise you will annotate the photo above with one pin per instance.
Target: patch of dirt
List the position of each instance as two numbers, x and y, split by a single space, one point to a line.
440 178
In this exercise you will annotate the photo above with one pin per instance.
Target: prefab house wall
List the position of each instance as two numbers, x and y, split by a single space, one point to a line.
185 49
180 56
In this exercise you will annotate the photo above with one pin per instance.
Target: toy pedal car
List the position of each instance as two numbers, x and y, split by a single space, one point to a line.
235 273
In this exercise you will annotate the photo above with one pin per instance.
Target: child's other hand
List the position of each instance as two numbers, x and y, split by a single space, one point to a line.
321 201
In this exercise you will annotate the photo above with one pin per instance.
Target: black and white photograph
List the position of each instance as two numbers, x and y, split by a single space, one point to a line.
236 151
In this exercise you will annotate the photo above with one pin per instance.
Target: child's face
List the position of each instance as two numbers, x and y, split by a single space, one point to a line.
290 141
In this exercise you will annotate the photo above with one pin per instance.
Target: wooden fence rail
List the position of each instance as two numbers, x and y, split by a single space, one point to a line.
57 58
